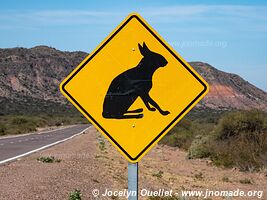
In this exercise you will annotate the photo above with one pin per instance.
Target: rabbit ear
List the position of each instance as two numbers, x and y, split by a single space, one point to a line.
141 49
145 47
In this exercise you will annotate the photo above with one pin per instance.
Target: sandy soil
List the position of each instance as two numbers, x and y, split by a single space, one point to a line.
87 165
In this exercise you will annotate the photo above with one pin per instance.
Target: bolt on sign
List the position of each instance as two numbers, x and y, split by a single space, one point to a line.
134 87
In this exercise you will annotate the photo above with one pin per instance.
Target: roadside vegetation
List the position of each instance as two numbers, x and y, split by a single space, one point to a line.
48 159
159 174
18 124
232 139
75 195
229 139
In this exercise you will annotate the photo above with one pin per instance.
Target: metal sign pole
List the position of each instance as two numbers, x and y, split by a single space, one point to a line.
133 181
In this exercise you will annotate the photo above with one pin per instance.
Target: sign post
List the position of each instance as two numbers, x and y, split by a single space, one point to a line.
133 181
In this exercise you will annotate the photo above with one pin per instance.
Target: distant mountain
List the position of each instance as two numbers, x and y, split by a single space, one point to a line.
229 91
29 80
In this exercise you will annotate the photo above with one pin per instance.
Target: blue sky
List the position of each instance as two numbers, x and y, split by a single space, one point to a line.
230 36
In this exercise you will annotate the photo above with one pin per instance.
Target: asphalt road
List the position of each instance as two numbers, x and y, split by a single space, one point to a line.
13 147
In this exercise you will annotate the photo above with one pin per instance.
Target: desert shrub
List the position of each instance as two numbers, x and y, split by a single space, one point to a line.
102 145
241 140
17 124
180 136
75 195
28 127
2 129
200 147
235 138
248 124
225 179
48 159
246 181
159 174
58 123
199 176
206 115
19 120
186 131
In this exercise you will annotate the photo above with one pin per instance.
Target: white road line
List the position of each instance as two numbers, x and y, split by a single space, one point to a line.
19 140
43 147
11 142
1 144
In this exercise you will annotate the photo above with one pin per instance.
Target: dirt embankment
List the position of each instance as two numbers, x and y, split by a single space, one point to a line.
88 162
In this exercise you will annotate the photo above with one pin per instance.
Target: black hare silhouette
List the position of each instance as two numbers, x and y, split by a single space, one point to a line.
133 83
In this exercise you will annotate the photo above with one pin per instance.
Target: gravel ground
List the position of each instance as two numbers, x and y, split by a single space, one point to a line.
89 162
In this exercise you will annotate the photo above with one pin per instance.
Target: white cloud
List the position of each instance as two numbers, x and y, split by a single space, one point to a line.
233 15
199 10
178 11
217 17
56 17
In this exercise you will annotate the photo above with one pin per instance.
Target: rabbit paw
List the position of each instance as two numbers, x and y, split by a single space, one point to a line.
165 112
152 109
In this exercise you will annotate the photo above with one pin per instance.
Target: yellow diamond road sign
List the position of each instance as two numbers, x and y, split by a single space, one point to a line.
134 87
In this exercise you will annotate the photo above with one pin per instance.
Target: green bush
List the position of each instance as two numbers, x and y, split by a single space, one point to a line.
180 136
238 138
199 176
18 124
185 132
19 120
200 148
75 195
48 159
159 174
241 140
248 124
225 179
246 181
2 129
